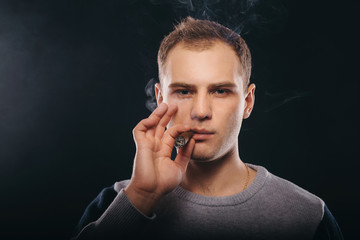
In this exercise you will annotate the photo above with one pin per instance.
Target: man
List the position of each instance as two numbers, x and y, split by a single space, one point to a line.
207 191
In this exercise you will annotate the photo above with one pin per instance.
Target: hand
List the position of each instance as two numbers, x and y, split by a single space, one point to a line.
154 173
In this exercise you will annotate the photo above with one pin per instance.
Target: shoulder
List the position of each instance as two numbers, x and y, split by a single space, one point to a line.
288 193
288 203
292 192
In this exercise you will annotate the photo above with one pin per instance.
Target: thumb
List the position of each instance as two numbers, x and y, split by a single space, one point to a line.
184 154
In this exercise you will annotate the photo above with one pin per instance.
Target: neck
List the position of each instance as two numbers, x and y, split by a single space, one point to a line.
221 177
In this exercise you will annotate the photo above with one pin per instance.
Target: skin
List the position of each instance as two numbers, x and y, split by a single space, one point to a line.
202 91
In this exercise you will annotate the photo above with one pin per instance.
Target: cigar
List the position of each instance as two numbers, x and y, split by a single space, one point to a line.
183 139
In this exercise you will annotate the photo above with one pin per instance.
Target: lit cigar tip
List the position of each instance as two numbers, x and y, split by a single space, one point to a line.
183 139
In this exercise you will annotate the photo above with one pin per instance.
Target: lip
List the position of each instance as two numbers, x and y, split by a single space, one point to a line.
202 134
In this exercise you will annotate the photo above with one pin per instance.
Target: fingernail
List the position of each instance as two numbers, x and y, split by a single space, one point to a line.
162 107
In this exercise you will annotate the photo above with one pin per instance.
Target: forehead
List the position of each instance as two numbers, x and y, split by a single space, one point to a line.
217 63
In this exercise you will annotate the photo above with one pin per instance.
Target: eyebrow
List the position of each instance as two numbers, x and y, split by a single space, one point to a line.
180 84
214 85
223 84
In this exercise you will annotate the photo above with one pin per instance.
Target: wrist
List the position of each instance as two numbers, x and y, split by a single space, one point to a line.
143 201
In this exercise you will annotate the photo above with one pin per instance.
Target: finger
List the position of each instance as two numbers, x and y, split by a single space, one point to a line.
184 155
160 129
153 119
170 134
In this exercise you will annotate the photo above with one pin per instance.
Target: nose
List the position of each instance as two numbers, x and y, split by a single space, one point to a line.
201 108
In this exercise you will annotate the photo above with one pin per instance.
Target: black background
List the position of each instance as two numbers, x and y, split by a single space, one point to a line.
72 79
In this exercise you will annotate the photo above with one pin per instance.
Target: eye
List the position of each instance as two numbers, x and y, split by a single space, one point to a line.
183 92
221 91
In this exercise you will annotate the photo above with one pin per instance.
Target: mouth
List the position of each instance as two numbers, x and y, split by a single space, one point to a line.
202 134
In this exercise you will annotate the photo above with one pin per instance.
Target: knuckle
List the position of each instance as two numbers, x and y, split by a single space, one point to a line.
136 128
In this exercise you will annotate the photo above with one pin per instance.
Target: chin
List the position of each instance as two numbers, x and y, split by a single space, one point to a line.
210 153
203 156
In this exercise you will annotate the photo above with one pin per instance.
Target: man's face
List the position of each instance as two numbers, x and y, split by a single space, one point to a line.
208 89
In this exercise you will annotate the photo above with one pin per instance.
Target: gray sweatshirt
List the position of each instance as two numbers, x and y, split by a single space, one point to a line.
270 208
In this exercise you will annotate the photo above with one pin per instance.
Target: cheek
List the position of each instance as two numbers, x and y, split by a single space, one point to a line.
231 115
229 107
183 112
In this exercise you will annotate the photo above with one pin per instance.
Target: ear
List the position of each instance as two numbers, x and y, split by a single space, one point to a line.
249 101
159 97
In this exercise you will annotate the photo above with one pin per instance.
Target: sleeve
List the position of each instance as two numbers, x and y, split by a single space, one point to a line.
111 215
328 228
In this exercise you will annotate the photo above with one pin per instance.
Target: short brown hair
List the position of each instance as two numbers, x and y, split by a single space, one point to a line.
201 35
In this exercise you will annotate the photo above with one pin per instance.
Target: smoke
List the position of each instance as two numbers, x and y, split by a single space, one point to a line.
237 15
241 16
276 100
150 93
